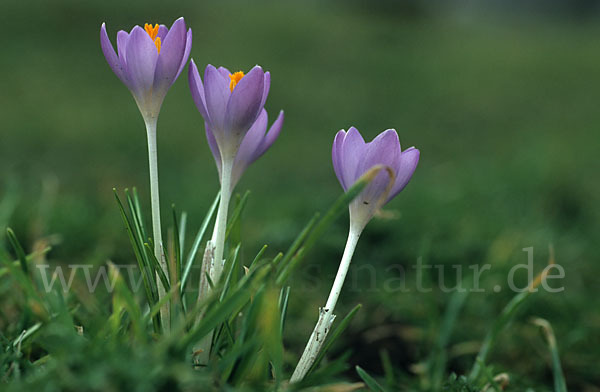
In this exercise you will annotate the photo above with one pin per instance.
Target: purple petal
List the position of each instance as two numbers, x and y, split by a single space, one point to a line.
336 151
352 151
141 60
272 135
406 167
171 55
186 53
247 152
267 86
122 39
225 72
383 150
253 140
197 90
111 56
162 32
214 148
216 94
244 104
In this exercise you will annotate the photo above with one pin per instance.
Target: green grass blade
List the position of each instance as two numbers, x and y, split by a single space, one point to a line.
258 256
140 255
161 274
197 241
16 245
176 246
504 320
155 309
230 268
182 231
560 384
370 381
237 213
438 359
388 368
283 305
29 257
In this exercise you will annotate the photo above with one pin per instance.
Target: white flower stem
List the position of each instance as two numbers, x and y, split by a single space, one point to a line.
326 315
156 229
218 237
212 261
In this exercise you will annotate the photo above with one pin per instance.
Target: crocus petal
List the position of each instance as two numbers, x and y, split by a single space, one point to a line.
170 56
406 167
214 148
336 151
111 56
271 136
186 53
197 90
253 139
383 150
224 71
267 86
141 61
122 39
216 93
162 32
244 105
351 154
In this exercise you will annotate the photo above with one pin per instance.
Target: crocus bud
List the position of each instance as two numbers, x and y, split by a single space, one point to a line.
352 158
149 61
230 103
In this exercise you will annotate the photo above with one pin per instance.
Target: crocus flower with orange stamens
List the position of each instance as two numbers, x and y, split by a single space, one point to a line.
149 60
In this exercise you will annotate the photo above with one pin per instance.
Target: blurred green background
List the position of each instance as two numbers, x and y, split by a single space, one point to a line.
502 101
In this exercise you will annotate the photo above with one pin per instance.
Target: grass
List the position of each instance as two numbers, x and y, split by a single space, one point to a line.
503 111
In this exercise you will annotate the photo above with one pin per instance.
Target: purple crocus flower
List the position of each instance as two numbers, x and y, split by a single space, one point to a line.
149 61
352 158
231 103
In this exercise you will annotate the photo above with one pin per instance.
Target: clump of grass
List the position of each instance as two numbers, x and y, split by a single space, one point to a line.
59 340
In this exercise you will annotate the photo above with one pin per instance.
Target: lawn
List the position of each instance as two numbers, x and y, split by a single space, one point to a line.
502 108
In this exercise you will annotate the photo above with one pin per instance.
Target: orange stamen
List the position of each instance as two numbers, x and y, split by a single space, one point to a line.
153 32
235 78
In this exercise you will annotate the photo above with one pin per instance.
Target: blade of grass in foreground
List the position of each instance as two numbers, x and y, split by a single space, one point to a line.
438 359
197 241
140 255
370 381
559 378
18 250
506 316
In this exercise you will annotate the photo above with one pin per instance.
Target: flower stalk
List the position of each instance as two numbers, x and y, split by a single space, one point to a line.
326 315
156 226
218 237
